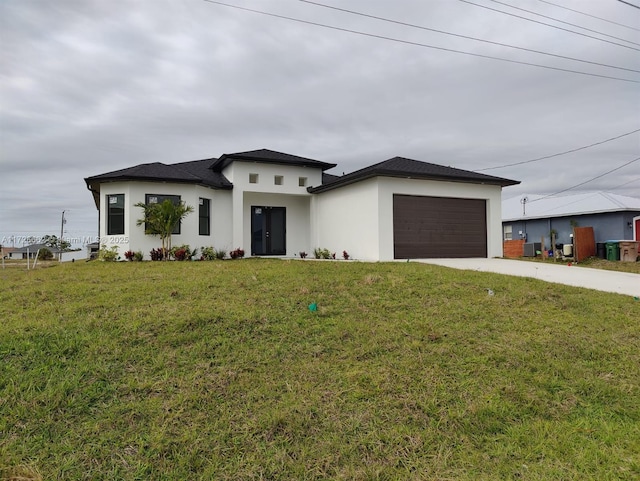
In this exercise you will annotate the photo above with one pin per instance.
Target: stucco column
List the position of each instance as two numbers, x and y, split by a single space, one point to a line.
237 221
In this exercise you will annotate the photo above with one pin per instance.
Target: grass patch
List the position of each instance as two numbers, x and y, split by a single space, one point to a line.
218 370
593 263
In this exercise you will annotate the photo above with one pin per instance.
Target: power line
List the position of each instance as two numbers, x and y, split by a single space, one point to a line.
626 183
559 153
548 25
418 44
462 36
589 15
587 181
562 21
630 4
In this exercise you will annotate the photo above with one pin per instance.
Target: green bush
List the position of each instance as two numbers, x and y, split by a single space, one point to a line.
319 253
211 253
108 255
181 253
45 254
207 253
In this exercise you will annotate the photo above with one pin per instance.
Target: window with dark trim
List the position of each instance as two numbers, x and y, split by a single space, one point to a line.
159 199
204 217
115 214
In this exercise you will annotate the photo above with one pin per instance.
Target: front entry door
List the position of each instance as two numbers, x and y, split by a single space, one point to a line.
268 231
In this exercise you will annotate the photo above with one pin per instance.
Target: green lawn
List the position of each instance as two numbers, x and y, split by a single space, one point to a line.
219 371
593 263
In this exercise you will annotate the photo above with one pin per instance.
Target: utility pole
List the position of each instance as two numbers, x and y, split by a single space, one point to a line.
60 240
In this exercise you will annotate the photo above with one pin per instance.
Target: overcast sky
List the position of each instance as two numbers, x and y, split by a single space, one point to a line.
91 86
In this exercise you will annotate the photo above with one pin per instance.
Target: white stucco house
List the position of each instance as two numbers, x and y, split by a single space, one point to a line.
274 204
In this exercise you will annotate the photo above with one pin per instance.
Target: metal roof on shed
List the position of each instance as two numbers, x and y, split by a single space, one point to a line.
542 207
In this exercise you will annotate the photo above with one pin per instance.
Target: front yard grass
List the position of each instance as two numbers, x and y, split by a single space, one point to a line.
219 370
593 263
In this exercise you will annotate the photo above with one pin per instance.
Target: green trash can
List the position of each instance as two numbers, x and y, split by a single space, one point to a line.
613 250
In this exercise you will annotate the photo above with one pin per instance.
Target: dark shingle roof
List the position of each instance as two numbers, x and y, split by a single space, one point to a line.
328 178
413 169
202 169
195 172
153 171
206 172
270 156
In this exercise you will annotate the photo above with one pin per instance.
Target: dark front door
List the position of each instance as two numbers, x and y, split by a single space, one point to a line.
268 231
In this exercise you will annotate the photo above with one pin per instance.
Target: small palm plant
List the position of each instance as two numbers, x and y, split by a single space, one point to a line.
161 219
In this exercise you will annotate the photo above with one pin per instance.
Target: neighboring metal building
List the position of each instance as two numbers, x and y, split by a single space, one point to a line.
532 217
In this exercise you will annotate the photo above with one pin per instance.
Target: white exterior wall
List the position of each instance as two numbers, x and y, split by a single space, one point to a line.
221 220
348 219
265 192
74 256
358 218
238 174
134 237
491 193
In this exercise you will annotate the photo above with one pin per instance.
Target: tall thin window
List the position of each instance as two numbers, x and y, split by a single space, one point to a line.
115 214
508 232
159 199
204 217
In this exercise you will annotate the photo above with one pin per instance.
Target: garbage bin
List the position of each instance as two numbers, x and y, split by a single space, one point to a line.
628 250
613 250
601 250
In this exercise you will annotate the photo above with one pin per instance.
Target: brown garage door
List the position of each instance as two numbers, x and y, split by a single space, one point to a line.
428 227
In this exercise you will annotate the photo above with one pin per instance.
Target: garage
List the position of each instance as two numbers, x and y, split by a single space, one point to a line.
438 227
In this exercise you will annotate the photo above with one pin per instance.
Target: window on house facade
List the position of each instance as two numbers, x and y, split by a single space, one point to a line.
508 232
159 199
204 217
302 181
115 214
253 178
278 179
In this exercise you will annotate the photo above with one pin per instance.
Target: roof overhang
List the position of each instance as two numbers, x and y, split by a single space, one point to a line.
93 183
352 179
227 159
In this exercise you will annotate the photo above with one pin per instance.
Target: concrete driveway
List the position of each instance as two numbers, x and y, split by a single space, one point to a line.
598 279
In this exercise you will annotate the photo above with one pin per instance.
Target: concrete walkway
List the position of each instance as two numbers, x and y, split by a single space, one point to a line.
598 279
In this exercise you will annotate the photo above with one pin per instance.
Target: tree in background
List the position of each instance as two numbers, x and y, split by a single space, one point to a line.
160 219
55 243
45 254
